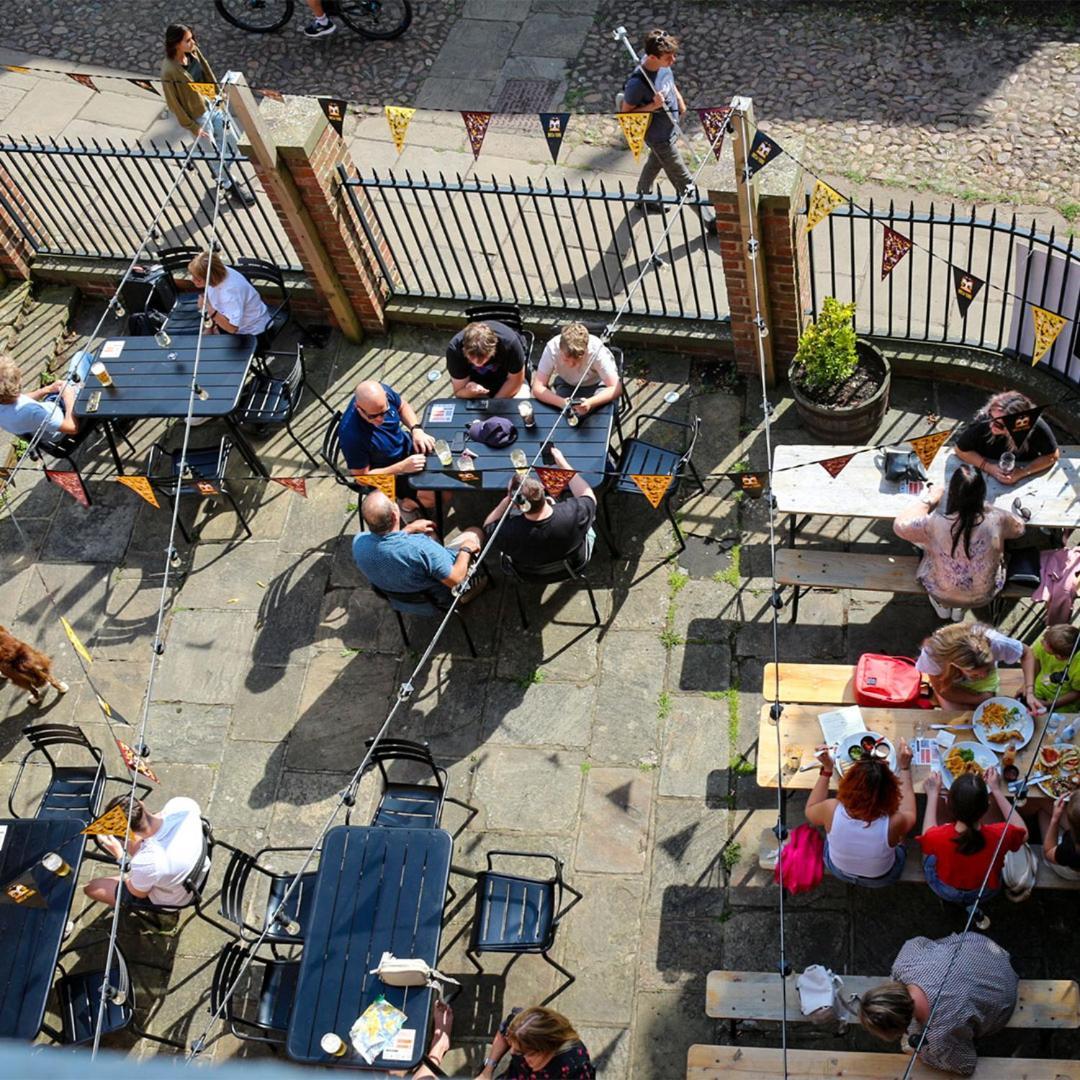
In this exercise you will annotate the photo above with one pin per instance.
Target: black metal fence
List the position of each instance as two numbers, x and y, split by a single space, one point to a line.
100 200
570 248
917 301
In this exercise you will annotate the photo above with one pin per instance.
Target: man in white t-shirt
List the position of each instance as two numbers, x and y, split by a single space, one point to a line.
572 356
164 849
230 303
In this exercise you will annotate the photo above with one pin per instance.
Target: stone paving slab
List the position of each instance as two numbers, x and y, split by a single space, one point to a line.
615 821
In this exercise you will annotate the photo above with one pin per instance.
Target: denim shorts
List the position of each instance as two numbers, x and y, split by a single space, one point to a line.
948 893
888 878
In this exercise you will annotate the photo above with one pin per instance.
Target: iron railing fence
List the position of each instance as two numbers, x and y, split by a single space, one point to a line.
568 247
917 300
99 200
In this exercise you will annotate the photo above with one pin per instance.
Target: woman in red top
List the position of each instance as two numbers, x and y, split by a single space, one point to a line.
957 855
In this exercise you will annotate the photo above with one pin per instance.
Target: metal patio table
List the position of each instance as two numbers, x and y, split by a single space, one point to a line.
377 890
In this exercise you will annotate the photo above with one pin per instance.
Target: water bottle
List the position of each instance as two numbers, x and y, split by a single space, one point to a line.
1068 733
1053 722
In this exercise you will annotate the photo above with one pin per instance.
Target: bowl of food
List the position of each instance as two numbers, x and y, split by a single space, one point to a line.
1002 721
865 744
965 757
1062 762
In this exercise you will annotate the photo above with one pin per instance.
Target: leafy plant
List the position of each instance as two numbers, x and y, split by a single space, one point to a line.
676 582
826 355
669 638
533 678
663 706
730 854
731 574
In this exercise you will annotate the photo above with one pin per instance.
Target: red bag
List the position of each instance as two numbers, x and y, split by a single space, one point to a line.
889 681
802 860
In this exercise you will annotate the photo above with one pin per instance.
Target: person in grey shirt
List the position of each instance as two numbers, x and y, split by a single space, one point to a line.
976 1000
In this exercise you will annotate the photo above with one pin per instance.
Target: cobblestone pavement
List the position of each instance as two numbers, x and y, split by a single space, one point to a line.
894 94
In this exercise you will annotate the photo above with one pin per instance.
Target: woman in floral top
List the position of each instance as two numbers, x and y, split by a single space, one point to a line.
542 1045
963 563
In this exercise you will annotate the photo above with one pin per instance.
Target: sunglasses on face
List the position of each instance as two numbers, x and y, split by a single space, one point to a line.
373 415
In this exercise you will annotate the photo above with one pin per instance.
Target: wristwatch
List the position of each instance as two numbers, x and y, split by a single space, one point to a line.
489 1061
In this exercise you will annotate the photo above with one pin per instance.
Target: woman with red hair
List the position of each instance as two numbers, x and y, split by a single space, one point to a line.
864 825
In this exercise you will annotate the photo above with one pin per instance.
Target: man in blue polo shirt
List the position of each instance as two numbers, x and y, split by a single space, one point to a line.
380 433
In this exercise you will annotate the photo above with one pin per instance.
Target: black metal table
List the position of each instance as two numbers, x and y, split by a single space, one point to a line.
154 382
377 890
30 937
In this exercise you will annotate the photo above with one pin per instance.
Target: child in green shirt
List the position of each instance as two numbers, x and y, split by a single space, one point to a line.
1052 652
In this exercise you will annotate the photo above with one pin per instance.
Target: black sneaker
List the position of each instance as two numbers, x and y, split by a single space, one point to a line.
317 29
241 194
650 205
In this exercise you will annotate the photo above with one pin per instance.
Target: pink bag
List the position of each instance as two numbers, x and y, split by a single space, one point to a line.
802 860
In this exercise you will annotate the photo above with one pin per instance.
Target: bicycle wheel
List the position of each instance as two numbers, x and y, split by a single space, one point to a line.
258 16
378 19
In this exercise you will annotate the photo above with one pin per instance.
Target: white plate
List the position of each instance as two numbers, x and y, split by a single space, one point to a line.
1045 789
843 760
1024 724
984 756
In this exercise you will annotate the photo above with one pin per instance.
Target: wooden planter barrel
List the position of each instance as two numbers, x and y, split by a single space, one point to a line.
848 426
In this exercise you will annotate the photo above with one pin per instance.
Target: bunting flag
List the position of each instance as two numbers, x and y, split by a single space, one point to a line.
398 117
834 466
293 483
141 486
752 483
273 95
110 714
1048 324
714 123
967 287
762 151
927 446
476 124
145 84
384 482
1021 423
112 823
204 89
83 80
823 201
334 110
634 126
469 476
553 125
22 890
653 486
555 480
76 644
71 482
204 487
894 247
17 69
135 763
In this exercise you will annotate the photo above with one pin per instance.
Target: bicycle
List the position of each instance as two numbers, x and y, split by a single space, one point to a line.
380 20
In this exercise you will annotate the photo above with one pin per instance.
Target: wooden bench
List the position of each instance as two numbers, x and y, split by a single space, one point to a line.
711 1062
834 684
812 568
755 995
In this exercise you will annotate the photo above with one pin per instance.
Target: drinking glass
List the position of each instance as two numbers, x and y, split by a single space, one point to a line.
1007 462
163 339
519 461
442 448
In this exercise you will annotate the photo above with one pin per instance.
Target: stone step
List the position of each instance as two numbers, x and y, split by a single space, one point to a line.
13 301
40 329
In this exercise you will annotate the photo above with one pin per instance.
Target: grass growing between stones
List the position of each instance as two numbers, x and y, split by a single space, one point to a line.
676 583
532 678
663 706
731 574
730 854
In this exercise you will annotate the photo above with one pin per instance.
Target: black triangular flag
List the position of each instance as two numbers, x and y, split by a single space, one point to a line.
334 108
145 84
23 891
553 125
762 151
967 287
1021 423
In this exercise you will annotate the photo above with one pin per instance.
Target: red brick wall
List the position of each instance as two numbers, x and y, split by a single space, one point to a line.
16 251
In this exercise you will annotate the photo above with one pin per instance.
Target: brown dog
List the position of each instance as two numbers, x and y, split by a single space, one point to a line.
27 668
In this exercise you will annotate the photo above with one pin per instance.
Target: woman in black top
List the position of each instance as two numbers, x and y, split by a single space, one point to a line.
542 1045
983 442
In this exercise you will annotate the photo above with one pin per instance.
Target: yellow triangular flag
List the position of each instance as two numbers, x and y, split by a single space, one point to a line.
823 201
927 446
1048 325
384 482
113 823
18 69
652 486
398 117
204 89
141 486
76 644
633 127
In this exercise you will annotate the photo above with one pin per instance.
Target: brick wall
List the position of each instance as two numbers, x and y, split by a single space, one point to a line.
16 251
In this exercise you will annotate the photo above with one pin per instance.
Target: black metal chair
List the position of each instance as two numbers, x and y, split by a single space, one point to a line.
508 315
625 405
266 277
271 401
516 914
205 465
640 458
62 447
165 304
427 603
237 897
79 998
408 805
273 1002
72 789
546 574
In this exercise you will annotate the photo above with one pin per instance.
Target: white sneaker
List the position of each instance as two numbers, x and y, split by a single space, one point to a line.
320 28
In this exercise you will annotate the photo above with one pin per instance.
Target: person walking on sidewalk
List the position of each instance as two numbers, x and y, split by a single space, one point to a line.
651 89
183 66
321 25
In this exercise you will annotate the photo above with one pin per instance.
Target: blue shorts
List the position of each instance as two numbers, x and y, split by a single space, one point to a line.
888 878
948 893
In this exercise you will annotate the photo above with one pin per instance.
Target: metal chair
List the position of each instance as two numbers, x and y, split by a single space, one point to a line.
165 303
63 447
274 1000
79 998
205 465
237 898
546 574
508 315
259 272
638 457
408 805
427 603
73 790
516 914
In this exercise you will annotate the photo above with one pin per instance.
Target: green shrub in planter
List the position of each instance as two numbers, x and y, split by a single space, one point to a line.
826 355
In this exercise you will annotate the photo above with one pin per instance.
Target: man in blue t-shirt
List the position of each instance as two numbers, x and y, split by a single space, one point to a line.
651 89
49 407
380 433
410 559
